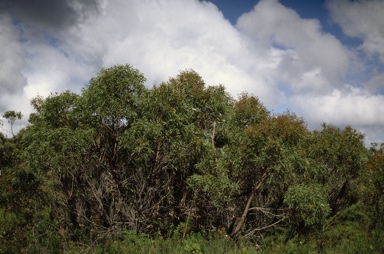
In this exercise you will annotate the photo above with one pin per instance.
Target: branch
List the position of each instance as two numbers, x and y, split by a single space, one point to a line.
265 227
247 206
265 211
213 134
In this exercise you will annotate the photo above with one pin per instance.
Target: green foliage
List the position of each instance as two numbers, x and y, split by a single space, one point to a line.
219 188
121 168
192 247
30 232
249 110
309 203
8 152
12 116
131 242
112 97
339 158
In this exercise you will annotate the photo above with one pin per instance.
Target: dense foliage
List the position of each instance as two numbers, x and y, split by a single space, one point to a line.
183 167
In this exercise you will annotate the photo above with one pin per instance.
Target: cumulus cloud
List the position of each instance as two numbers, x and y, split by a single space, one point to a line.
363 20
54 15
12 80
351 106
34 58
310 59
53 70
162 37
312 67
273 53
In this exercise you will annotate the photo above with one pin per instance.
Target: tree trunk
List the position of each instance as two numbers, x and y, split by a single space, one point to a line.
247 206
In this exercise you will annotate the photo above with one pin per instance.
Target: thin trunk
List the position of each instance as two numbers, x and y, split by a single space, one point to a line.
248 205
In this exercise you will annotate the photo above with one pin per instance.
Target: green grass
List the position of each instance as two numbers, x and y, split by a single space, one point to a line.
130 242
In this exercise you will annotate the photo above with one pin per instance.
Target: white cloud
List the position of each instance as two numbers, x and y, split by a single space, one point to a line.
350 106
361 19
308 51
11 60
162 37
51 69
312 66
272 52
364 20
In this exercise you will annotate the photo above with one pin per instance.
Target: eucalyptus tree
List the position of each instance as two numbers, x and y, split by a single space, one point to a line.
183 156
118 156
270 170
269 161
73 143
173 135
339 158
12 116
373 198
246 174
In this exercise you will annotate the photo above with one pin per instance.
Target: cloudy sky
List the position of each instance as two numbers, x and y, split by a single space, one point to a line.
323 60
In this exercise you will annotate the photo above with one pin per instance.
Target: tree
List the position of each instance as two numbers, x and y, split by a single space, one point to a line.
373 197
182 157
268 159
7 152
74 145
339 158
12 116
245 177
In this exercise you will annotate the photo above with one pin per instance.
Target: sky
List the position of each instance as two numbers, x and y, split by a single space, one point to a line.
321 59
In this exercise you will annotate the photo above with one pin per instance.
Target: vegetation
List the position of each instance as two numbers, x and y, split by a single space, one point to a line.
183 168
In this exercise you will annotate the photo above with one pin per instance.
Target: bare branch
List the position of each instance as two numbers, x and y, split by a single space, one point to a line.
250 233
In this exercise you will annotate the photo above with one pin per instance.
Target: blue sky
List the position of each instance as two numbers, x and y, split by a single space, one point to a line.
314 9
232 10
323 60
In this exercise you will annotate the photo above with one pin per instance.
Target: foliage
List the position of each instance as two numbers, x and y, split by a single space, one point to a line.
309 203
12 116
183 168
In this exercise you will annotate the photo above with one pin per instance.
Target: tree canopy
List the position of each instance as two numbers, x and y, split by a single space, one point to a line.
182 158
